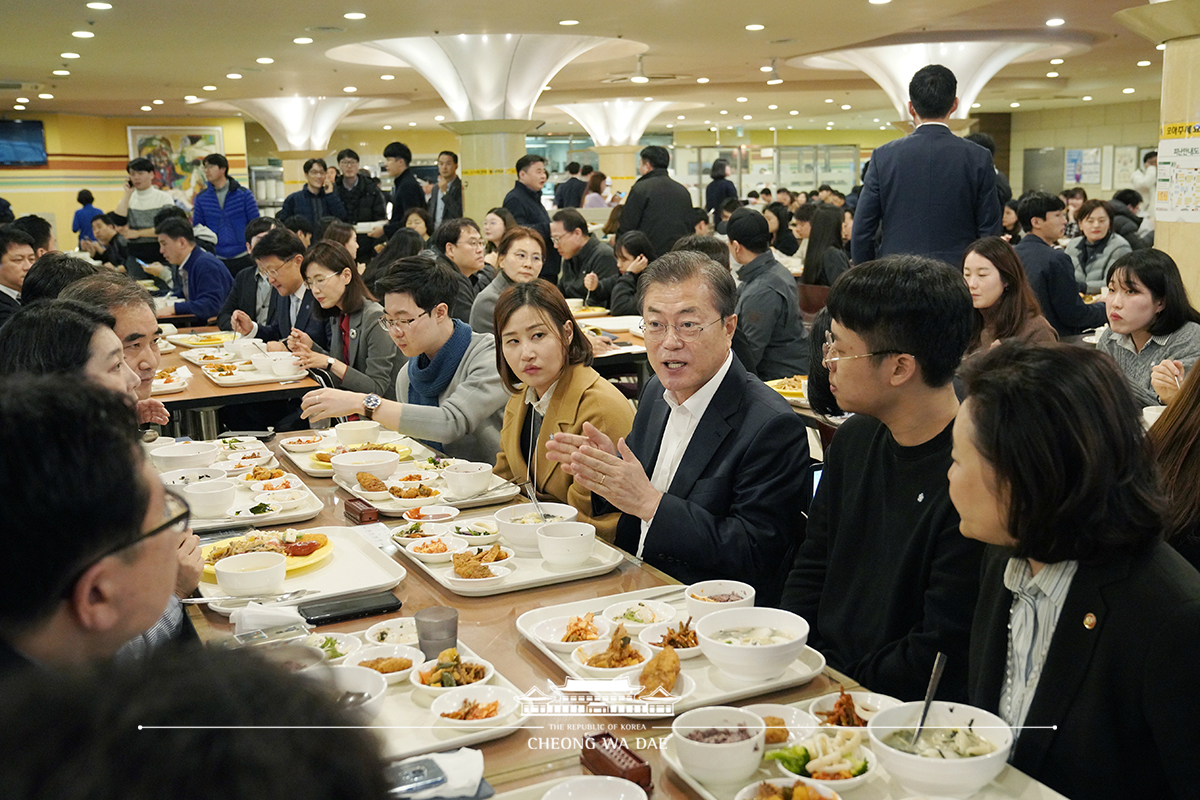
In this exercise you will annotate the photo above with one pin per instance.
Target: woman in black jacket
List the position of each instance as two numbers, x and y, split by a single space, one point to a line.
719 188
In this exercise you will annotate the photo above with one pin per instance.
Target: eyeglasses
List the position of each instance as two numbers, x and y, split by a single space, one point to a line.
346 162
269 273
390 325
830 355
178 515
684 331
320 172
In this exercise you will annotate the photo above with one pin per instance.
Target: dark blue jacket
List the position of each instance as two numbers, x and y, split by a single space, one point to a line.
715 194
312 206
208 282
406 194
229 223
277 328
1051 275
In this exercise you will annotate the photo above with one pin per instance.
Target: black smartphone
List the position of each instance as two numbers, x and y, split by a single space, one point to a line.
415 776
327 612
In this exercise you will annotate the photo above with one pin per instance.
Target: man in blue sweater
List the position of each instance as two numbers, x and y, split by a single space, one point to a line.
225 207
203 279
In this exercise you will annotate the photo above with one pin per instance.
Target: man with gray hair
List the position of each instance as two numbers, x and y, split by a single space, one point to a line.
709 480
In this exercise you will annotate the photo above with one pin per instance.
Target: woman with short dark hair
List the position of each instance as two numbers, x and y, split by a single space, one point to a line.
521 252
634 252
496 223
719 189
1097 246
1087 628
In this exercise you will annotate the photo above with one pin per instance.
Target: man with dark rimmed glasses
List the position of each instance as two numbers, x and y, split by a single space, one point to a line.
92 534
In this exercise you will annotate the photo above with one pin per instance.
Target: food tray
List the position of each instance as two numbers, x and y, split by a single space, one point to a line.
1010 784
252 377
626 324
305 464
311 507
713 688
794 397
355 567
201 339
174 387
196 353
500 491
408 728
528 572
590 312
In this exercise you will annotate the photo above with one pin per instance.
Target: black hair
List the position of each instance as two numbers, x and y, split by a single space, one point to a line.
425 216
429 282
217 160
749 228
323 224
818 394
824 187
1037 204
310 163
1080 481
175 229
171 212
281 243
347 153
141 164
52 273
450 153
398 150
450 231
710 246
825 231
636 243
85 197
680 266
1130 197
1160 275
11 235
908 304
107 218
53 337
38 229
804 212
719 166
656 156
261 225
336 258
932 90
698 215
573 168
298 223
528 160
1148 156
983 140
585 170
571 220
405 242
753 195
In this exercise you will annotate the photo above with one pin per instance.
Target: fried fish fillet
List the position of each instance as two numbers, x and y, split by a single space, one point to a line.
370 483
662 670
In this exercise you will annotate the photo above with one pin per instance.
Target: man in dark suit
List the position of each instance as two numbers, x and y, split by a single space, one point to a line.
16 257
445 201
1050 272
251 290
406 192
278 255
524 202
569 193
657 206
710 479
932 192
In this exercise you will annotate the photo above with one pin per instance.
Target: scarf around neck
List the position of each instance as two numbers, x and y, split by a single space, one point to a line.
428 378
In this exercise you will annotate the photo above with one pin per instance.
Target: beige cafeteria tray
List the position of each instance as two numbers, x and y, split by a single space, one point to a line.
246 376
304 463
310 508
196 356
1010 784
713 687
527 572
500 491
355 567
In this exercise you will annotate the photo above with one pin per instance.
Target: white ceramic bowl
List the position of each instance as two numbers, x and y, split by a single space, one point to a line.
522 536
452 701
845 783
346 644
696 609
956 777
750 792
867 704
574 303
294 657
427 529
362 431
286 499
251 574
595 787
550 632
399 630
467 479
477 531
182 477
453 545
719 763
361 679
182 455
209 499
245 460
285 364
499 573
799 723
427 477
414 502
588 649
752 663
245 348
432 692
654 633
302 444
685 686
431 514
276 484
374 651
662 612
262 362
380 463
162 441
566 544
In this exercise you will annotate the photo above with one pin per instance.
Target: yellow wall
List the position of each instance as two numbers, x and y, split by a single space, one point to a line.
1082 126
864 139
86 152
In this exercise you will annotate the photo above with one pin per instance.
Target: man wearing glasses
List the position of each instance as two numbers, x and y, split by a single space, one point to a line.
360 195
278 255
709 480
459 245
884 577
97 560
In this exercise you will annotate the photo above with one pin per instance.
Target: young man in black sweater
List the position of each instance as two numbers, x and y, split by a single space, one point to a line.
884 577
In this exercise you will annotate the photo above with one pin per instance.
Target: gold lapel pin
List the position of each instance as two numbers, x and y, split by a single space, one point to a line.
1089 621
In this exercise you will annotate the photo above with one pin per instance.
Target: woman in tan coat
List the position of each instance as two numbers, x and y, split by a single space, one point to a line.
545 362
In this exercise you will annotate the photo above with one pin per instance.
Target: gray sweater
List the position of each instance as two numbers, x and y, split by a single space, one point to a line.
1183 345
484 308
1095 273
469 414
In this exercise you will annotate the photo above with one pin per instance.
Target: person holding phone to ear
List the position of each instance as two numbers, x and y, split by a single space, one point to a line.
137 207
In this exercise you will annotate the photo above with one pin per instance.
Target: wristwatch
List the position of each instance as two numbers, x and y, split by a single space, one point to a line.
370 405
329 363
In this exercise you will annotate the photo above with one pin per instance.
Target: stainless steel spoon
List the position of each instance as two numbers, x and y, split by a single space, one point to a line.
274 598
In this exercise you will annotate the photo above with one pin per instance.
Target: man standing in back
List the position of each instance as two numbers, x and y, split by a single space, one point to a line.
569 193
932 192
657 205
445 200
227 208
406 192
360 196
524 202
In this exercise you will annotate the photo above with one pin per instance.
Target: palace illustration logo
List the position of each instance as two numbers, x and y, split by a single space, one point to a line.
591 698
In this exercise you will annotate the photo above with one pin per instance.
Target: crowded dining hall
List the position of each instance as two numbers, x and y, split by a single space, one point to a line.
708 402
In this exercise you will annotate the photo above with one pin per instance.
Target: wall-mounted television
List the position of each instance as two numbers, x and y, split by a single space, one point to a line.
22 143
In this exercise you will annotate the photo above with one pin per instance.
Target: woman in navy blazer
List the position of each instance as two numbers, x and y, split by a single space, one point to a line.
1087 629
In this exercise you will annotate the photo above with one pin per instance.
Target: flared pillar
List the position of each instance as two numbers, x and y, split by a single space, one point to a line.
489 150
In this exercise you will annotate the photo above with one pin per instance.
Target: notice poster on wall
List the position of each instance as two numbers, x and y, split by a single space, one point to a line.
1073 169
1089 168
1125 161
1178 187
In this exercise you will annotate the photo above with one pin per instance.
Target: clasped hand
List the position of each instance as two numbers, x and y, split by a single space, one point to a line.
611 471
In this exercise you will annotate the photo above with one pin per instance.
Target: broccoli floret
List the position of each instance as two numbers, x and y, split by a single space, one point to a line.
794 759
857 767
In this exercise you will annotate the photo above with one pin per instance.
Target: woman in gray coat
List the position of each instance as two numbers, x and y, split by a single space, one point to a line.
1098 246
519 260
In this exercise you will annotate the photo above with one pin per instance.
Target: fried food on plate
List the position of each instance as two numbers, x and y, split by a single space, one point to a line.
387 665
369 482
660 671
777 732
468 565
619 653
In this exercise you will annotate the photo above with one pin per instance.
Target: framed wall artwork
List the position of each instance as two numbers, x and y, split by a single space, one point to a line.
177 153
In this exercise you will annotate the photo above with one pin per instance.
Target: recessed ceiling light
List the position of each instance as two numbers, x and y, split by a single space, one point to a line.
568 22
828 99
147 108
302 40
69 55
771 128
62 72
22 99
1087 97
1127 90
883 127
877 118
1056 61
349 89
772 107
879 2
387 77
355 15
1143 63
723 111
829 123
764 69
157 102
412 124
647 99
743 99
793 112
18 107
681 116
547 88
1160 47
387 127
669 125
233 76
747 116
46 96
438 118
265 60
973 105
728 127
100 6
1051 74
701 80
209 88
775 81
190 97
1014 105
845 107
789 127
83 34
1054 23
755 27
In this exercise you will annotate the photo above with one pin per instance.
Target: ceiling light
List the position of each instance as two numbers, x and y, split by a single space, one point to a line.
747 116
755 27
775 79
828 99
265 60
147 108
771 128
669 125
728 127
743 99
209 88
647 99
879 2
46 96
190 97
789 127
1127 90
973 105
829 124
1056 61
438 118
100 6
723 111
845 108
681 116
355 15
302 40
82 34
1051 74
22 99
793 112
547 88
1054 23
1014 105
387 77
234 76
1087 97
412 124
877 118
18 107
883 127
349 89
62 72
387 127
764 69
772 107
568 22
1143 63
701 80
1160 47
69 55
639 76
157 102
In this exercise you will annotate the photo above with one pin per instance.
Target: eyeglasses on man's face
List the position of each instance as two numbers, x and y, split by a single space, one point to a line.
390 325
685 331
830 355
